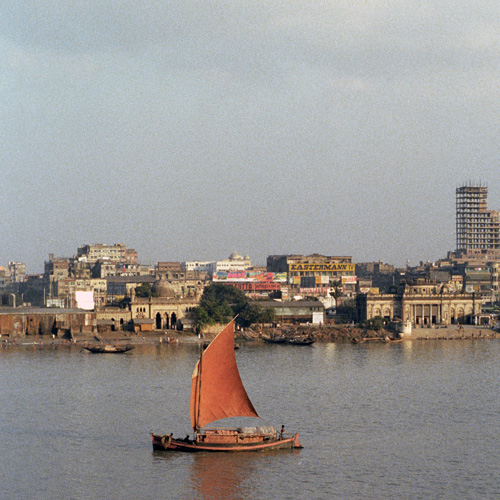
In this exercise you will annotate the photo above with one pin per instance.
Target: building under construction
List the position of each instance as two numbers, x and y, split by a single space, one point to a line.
477 227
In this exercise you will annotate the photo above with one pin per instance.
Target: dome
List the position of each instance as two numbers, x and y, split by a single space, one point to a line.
163 288
235 256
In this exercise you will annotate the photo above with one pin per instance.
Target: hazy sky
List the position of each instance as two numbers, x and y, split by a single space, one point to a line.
191 129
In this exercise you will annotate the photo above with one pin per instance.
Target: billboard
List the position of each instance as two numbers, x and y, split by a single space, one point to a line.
254 276
348 280
84 300
322 267
314 290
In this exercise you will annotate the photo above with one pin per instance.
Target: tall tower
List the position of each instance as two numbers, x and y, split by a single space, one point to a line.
477 227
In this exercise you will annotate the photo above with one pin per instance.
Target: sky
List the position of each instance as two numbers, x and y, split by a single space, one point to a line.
191 129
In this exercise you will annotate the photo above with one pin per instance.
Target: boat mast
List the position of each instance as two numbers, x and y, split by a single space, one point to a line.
196 427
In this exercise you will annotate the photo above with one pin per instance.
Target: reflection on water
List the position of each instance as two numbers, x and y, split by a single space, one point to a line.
409 420
220 477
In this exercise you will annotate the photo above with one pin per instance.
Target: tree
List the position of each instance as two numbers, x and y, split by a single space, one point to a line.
336 293
376 323
220 303
145 290
254 313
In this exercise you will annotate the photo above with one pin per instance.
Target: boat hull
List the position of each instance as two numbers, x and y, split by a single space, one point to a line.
108 349
167 443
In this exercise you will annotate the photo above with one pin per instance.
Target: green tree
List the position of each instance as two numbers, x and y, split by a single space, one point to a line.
220 303
375 324
254 313
336 293
145 290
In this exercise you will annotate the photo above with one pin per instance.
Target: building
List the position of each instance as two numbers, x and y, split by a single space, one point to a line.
297 312
119 287
371 275
166 268
235 262
4 278
315 274
100 251
56 269
24 321
477 228
199 266
17 271
423 305
163 312
105 268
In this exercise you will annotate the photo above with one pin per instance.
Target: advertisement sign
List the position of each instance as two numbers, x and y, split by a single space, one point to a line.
314 290
349 280
322 267
249 276
84 300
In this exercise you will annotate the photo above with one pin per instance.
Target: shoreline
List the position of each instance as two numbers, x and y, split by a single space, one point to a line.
339 334
466 332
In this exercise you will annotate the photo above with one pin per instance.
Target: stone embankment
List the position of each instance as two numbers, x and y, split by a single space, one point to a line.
324 333
454 332
348 333
327 333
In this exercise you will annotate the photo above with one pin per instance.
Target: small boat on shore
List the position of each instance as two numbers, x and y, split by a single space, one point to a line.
274 339
108 348
301 340
217 392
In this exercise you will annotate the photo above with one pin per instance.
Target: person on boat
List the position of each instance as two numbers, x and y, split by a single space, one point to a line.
282 433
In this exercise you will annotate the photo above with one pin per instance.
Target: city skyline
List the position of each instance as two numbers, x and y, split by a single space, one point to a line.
190 131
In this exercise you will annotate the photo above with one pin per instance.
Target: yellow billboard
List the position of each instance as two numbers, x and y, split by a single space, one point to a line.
336 267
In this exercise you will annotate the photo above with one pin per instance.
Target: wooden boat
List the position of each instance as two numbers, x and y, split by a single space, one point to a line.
108 348
301 341
275 339
217 392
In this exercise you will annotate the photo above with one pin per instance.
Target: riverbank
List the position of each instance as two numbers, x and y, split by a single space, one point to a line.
454 332
327 333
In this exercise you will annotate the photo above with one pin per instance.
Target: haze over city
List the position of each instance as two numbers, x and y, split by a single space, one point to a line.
189 130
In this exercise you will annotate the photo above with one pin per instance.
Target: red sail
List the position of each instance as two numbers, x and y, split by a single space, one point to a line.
216 387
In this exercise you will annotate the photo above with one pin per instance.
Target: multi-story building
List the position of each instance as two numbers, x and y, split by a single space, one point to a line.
315 273
17 271
197 265
56 268
477 228
99 251
4 278
105 268
165 268
421 304
235 262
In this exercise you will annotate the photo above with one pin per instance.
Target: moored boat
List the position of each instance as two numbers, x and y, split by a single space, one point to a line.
301 340
275 339
217 392
108 348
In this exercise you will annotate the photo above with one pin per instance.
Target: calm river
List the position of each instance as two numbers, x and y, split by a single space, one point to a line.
412 420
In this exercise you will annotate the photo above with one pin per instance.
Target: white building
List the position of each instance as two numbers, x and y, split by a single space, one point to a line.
196 265
235 262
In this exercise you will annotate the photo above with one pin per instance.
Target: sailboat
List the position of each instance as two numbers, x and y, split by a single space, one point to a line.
217 392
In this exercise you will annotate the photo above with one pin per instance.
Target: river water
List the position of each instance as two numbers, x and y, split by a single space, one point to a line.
418 419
